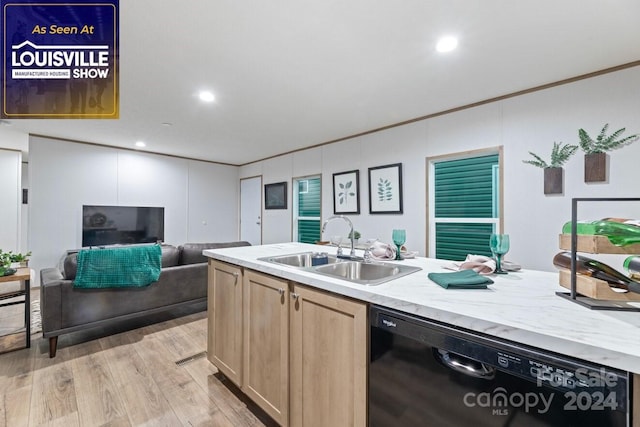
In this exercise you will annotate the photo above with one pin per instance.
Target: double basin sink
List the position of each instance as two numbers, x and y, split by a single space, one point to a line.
352 270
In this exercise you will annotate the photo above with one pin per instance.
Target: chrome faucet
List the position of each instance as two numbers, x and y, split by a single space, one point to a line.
353 251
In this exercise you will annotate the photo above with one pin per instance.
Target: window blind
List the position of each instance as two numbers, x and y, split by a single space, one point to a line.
456 240
464 188
309 201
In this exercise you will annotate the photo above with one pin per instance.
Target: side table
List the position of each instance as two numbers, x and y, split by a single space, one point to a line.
23 275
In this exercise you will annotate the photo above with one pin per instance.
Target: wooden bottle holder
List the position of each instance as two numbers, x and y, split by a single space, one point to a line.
595 288
590 292
597 245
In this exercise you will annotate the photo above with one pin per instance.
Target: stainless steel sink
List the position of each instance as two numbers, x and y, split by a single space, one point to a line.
347 269
300 260
365 273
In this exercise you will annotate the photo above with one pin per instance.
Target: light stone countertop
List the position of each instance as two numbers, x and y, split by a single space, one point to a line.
521 306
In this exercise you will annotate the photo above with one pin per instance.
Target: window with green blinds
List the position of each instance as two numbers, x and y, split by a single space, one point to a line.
309 201
309 197
308 230
456 240
465 188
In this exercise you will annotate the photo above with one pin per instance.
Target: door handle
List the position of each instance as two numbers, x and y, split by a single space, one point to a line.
464 365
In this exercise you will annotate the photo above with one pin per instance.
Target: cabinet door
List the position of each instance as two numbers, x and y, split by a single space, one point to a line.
328 359
266 343
224 338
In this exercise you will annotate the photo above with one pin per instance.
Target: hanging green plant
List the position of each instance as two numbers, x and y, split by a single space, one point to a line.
559 155
603 143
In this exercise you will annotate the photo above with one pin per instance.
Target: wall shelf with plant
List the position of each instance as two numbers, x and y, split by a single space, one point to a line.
553 171
595 151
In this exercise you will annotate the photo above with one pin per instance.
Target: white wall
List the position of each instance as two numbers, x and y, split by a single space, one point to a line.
276 223
530 122
10 206
213 200
200 198
16 143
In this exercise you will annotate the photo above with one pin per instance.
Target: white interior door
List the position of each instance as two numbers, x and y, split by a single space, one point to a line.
251 210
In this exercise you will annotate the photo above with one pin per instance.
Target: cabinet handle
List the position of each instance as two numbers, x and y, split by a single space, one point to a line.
236 275
281 291
294 295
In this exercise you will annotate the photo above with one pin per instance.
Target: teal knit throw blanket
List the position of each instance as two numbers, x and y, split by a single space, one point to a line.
118 267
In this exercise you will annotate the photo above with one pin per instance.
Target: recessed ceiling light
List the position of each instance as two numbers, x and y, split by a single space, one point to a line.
447 44
206 96
140 144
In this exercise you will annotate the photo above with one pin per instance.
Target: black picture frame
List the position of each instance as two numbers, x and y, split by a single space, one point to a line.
385 189
275 195
346 192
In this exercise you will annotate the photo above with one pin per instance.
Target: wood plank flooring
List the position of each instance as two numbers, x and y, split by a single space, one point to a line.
123 377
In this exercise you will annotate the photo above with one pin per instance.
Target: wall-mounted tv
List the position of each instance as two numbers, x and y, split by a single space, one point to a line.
111 225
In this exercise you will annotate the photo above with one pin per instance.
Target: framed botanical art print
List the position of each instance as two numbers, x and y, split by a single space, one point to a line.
346 192
385 189
275 195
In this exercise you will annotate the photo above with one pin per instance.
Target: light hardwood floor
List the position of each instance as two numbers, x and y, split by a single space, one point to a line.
122 377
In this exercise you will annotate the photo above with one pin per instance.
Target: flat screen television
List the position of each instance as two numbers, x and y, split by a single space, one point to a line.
111 225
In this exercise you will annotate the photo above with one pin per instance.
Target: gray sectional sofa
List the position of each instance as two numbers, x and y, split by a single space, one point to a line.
65 309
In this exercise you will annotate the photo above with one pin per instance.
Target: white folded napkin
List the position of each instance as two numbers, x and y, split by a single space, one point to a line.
479 263
382 251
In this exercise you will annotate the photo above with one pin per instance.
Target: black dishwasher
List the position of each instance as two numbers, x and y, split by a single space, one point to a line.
424 373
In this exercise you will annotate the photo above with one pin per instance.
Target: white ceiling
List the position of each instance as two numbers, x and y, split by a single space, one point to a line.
289 74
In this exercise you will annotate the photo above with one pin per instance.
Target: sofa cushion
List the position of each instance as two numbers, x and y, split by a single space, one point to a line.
70 266
170 258
191 253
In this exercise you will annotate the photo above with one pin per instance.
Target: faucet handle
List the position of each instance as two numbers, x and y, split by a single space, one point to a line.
367 251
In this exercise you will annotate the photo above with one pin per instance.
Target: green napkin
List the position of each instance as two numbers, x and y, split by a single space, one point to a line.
463 279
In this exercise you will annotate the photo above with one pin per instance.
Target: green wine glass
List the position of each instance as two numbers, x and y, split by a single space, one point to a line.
499 244
399 238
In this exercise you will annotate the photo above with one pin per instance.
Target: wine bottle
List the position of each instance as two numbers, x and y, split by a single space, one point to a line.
620 231
599 270
632 266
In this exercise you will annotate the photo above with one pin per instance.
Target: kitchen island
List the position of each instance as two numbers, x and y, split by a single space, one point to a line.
521 307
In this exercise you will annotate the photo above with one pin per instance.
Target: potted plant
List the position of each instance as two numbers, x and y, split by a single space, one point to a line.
595 151
21 259
5 264
356 236
553 172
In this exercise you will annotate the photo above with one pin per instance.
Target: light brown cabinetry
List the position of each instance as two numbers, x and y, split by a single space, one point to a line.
224 305
303 352
328 369
266 343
